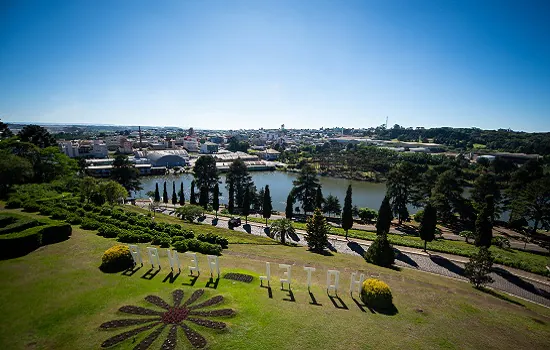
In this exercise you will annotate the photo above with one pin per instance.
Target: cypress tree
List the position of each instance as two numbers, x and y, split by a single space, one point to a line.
231 204
383 223
319 200
428 224
289 210
157 194
347 215
192 198
246 204
484 223
174 195
317 232
203 197
182 195
165 194
267 206
216 199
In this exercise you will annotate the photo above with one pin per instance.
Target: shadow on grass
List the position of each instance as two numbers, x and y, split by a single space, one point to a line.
267 232
361 306
313 300
322 252
447 264
389 311
294 237
171 277
290 295
131 271
212 283
269 291
406 259
337 302
521 283
500 296
356 247
331 247
149 274
192 280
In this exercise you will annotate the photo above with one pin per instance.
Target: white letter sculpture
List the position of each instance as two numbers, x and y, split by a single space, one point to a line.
153 256
213 265
286 275
355 285
330 286
267 277
195 266
173 259
136 255
309 271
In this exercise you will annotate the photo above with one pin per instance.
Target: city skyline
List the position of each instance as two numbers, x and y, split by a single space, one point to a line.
246 65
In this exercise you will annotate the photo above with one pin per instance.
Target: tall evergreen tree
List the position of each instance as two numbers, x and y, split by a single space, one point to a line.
216 199
125 173
182 195
332 205
165 194
289 209
231 195
317 230
383 223
484 223
428 224
157 193
203 197
205 173
267 206
347 214
400 187
174 195
319 199
246 204
240 179
192 197
305 187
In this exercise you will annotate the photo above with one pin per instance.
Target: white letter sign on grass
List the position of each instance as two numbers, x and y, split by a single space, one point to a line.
355 285
153 256
213 265
267 276
309 271
195 266
136 255
333 286
173 259
286 275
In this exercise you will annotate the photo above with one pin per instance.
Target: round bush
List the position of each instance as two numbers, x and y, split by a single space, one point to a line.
116 258
380 252
419 215
13 203
376 294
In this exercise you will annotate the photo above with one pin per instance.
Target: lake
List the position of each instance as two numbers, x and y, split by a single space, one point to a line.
365 194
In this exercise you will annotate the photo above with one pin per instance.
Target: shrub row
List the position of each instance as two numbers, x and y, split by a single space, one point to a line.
16 223
23 242
194 245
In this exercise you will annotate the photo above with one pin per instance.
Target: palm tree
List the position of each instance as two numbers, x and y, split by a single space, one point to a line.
282 228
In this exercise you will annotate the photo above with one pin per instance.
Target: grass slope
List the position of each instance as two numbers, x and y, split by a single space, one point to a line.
56 297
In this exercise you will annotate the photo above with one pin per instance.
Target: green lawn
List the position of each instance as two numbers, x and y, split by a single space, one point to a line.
56 297
535 263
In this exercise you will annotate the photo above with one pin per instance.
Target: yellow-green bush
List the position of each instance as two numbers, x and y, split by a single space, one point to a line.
376 294
116 258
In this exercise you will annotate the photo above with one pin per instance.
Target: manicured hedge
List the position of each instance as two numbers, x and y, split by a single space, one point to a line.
23 242
197 246
16 223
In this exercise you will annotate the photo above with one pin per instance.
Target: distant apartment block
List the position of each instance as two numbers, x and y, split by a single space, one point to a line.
209 148
87 149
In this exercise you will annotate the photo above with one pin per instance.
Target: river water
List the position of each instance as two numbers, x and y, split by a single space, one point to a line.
365 194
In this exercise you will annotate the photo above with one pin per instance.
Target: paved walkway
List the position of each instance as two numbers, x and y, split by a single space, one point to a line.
523 284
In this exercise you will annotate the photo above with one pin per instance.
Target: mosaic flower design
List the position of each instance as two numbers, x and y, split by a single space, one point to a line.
174 317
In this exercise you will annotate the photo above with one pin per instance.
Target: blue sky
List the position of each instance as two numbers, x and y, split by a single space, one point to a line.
303 63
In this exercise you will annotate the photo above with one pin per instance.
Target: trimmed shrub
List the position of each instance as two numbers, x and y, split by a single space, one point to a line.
108 231
31 206
162 239
89 224
419 215
74 219
180 245
380 252
59 214
195 245
56 232
46 210
213 239
376 294
117 258
13 203
17 224
501 242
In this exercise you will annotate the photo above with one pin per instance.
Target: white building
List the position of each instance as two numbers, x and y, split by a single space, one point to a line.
69 148
191 145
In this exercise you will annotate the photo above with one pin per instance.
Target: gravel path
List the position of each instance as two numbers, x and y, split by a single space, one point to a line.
528 286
